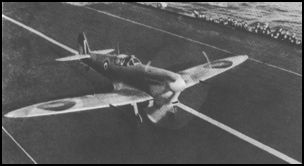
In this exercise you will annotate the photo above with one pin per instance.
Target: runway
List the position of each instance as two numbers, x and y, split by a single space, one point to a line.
272 111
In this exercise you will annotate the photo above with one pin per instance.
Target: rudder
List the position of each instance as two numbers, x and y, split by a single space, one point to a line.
83 45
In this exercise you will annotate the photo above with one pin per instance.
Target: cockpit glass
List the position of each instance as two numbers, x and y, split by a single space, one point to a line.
131 63
126 60
136 60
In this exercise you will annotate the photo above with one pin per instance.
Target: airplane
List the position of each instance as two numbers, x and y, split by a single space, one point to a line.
133 83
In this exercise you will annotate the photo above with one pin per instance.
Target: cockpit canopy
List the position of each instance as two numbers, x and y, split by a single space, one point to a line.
126 60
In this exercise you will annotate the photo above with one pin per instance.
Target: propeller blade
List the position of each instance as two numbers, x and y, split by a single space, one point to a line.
206 56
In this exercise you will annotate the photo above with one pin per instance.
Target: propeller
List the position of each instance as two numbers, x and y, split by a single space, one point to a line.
206 56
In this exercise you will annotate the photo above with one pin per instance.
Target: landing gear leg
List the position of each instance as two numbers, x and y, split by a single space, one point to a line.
138 116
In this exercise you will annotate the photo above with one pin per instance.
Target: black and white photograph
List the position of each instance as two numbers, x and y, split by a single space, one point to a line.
151 82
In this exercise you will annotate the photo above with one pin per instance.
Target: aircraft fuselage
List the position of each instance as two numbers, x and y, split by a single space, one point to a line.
157 82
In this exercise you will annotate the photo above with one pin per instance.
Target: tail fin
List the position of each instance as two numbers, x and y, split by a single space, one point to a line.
83 45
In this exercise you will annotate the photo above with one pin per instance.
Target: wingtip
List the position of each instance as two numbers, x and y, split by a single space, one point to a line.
242 58
9 115
245 56
19 113
59 60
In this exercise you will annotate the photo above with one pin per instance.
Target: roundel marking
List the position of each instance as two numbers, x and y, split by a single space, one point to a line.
106 65
221 64
57 105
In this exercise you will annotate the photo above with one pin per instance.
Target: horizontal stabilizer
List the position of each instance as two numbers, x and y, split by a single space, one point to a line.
106 51
74 57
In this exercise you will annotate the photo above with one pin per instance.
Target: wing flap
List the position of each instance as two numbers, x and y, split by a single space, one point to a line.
83 103
206 71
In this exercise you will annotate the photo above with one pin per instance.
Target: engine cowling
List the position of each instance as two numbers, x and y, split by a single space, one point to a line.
168 116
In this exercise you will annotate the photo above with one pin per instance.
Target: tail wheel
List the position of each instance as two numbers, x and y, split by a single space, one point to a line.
106 65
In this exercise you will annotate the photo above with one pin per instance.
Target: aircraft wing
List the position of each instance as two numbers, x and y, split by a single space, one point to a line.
83 103
106 51
205 71
74 57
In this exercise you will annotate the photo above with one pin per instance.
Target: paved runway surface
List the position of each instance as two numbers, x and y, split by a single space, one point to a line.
263 101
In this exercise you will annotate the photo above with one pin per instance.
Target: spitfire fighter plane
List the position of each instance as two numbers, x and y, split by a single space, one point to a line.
133 83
